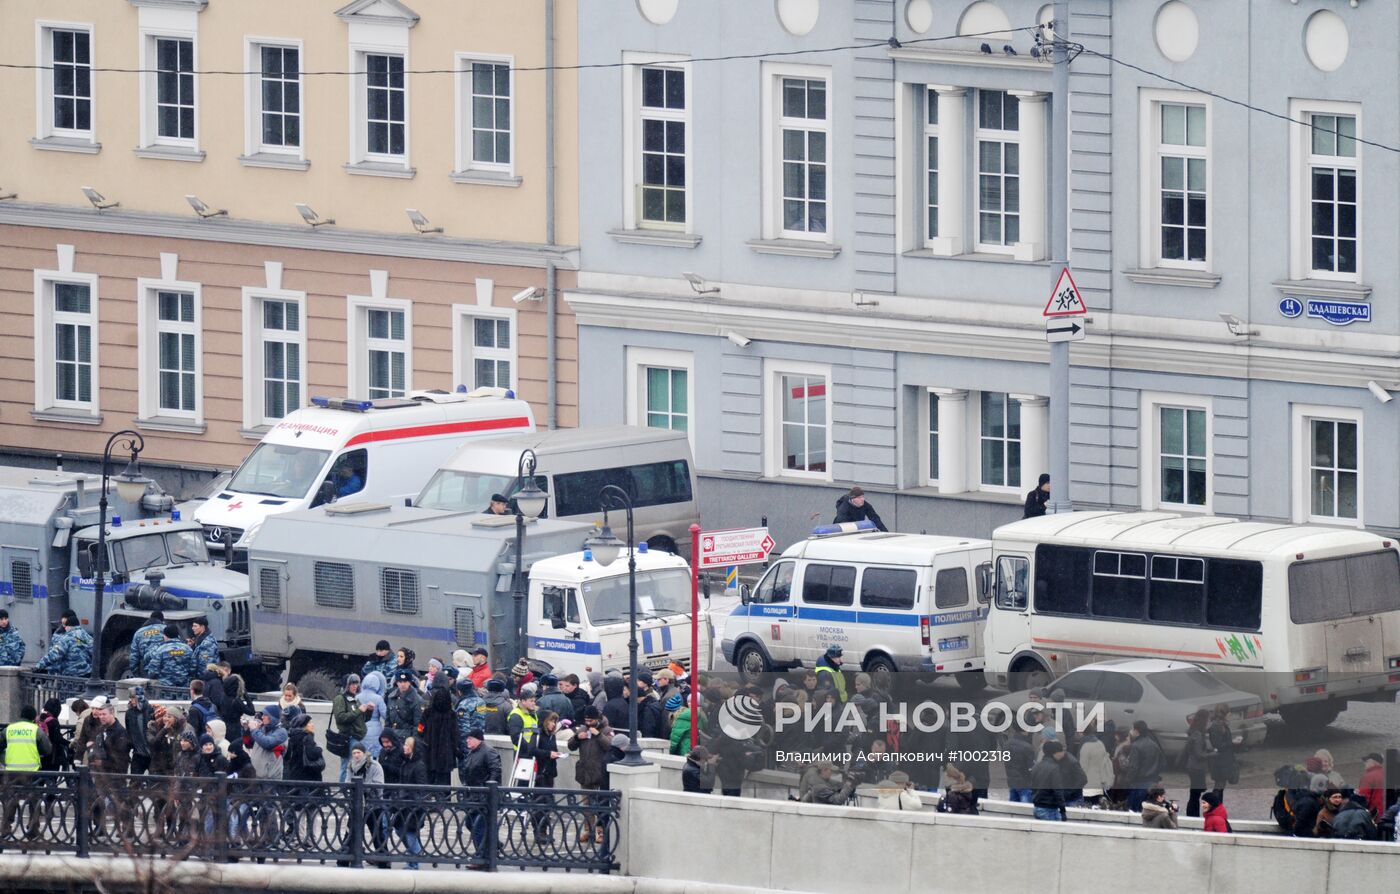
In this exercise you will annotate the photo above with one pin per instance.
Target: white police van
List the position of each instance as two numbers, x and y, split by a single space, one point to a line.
906 602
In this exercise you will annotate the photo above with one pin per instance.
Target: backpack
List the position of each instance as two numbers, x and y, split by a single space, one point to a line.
199 717
1284 808
1291 776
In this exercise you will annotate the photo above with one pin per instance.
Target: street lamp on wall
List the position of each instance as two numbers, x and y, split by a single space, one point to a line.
605 547
131 487
529 505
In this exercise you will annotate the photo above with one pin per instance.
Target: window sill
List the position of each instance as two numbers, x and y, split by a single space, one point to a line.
974 496
72 417
485 178
1324 288
668 238
274 160
983 257
381 169
1165 276
257 433
169 153
170 424
67 144
797 248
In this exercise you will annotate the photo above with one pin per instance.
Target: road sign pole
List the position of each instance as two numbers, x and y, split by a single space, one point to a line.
695 634
1059 250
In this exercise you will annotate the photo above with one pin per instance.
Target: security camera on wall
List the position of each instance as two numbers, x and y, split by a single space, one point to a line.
533 293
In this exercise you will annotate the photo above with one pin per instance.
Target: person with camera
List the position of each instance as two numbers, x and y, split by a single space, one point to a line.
1157 811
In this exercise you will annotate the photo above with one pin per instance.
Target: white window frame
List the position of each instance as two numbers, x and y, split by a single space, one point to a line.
148 329
974 436
639 360
254 401
464 350
1302 417
359 107
929 171
465 161
632 138
150 115
928 426
44 127
772 181
993 135
358 341
1150 461
46 349
1300 186
773 372
1150 175
252 93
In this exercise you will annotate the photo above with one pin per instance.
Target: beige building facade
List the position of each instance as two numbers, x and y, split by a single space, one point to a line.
225 208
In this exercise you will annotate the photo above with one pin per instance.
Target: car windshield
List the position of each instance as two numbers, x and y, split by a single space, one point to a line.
280 470
470 491
156 550
659 593
1187 684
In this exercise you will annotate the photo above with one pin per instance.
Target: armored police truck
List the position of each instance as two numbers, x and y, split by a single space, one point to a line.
48 553
329 583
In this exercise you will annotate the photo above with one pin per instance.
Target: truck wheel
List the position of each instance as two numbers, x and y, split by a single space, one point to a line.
751 662
116 664
1027 674
1311 715
318 684
881 669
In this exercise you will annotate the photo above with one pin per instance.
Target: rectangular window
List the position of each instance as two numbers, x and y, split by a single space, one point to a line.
74 325
71 81
998 169
829 585
1178 593
398 591
1182 456
1120 585
279 95
663 147
667 395
1234 593
1001 440
1334 468
802 131
649 484
888 588
174 88
1332 185
464 627
281 339
1011 582
270 589
932 436
1346 587
1182 182
950 588
490 114
804 425
931 165
385 105
492 353
333 584
1062 580
386 352
177 337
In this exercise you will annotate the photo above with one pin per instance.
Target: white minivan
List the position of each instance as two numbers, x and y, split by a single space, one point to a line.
893 602
366 449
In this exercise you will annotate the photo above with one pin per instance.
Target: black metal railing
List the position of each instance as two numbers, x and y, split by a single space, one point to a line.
38 688
219 818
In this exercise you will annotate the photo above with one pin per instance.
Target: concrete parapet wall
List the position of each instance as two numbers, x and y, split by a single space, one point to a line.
841 849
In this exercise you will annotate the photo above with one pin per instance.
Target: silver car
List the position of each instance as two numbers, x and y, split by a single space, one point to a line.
1163 693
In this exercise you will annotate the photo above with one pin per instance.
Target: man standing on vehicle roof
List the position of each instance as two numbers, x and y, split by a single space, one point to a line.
499 506
382 660
146 638
829 674
1036 499
11 643
852 507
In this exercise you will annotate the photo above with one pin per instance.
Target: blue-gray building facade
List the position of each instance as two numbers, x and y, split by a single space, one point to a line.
829 261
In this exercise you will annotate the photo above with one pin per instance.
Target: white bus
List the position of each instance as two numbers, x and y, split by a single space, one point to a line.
1306 616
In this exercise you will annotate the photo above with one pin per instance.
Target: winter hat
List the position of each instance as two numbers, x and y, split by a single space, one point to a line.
206 739
189 734
290 712
522 667
1212 799
529 690
1373 756
358 745
644 675
460 658
1051 746
300 721
863 679
549 680
1044 479
139 692
675 702
592 713
465 686
494 685
620 741
274 711
382 644
405 676
833 651
351 680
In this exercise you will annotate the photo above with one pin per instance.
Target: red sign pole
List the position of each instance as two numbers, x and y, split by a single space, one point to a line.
694 635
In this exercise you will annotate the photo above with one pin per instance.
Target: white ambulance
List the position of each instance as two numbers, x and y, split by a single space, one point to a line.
366 449
891 601
579 613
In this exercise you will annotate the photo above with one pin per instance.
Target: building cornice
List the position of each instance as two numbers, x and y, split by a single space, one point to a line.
140 223
395 13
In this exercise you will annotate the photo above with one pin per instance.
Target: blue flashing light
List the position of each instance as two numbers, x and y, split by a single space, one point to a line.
642 547
361 404
588 555
844 528
461 389
116 521
510 394
321 402
174 515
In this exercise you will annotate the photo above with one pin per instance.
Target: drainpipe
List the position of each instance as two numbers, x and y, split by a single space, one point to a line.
550 273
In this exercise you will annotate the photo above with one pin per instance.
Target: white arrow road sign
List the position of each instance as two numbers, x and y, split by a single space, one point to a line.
1064 329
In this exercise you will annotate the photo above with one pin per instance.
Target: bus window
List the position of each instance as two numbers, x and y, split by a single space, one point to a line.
950 588
1062 580
1331 589
776 585
1234 592
1178 591
829 585
1120 585
649 484
888 588
1012 572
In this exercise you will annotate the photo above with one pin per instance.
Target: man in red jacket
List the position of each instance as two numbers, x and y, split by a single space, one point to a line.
1371 786
481 668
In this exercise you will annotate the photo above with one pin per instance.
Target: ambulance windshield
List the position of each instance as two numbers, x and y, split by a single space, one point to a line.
280 470
659 593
